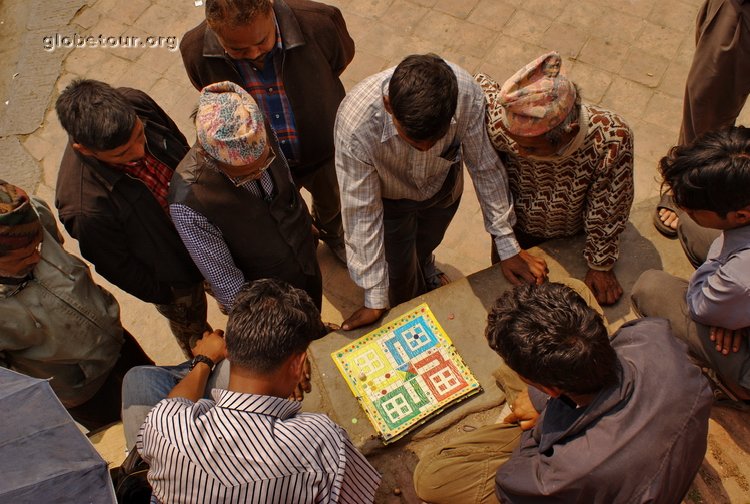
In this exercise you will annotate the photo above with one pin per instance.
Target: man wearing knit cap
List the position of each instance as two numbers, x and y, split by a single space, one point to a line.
233 202
570 165
111 193
55 322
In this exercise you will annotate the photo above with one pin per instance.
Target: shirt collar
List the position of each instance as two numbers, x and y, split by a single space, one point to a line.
257 404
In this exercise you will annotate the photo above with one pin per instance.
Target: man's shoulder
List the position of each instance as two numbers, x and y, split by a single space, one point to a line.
607 119
191 44
362 105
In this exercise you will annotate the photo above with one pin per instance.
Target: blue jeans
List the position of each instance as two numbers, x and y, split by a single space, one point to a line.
144 386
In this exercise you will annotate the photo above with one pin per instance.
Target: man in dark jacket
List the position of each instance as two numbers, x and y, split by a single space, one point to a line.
112 197
234 204
624 421
288 55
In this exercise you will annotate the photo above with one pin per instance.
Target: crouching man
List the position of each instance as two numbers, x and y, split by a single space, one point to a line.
608 422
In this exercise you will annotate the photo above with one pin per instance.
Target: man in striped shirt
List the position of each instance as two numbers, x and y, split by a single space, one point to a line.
251 444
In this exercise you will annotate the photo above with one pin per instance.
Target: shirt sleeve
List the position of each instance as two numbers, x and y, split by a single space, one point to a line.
716 297
362 215
608 203
489 177
205 244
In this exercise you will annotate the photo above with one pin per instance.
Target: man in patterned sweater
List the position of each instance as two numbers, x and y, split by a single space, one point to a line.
570 165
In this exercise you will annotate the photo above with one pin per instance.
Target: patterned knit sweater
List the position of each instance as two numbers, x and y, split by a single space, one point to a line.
589 188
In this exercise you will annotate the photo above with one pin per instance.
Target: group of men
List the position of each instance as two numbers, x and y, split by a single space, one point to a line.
384 165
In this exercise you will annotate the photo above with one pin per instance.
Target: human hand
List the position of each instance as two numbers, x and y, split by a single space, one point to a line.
362 317
524 267
727 339
604 285
305 384
522 412
212 345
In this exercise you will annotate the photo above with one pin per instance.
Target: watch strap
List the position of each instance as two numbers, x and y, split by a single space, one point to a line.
204 359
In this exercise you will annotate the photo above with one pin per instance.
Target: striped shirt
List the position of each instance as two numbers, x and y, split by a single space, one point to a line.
250 448
373 162
267 88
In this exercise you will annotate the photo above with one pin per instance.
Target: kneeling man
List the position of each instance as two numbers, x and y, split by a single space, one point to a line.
609 422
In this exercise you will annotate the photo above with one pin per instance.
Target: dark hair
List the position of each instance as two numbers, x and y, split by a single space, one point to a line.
95 114
234 12
550 336
712 173
269 322
423 93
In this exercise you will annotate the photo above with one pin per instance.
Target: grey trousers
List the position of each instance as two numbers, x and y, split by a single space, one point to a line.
659 294
695 239
719 79
463 471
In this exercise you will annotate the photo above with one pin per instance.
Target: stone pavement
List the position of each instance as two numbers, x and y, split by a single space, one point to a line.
628 55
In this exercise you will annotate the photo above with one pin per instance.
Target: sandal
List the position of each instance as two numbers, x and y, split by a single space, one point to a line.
667 203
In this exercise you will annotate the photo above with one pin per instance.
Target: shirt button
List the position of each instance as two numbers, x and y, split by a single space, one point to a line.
270 90
277 116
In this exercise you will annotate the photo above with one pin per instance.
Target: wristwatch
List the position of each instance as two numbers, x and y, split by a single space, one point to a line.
201 358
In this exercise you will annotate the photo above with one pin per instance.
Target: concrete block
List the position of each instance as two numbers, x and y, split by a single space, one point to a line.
674 14
665 111
593 81
404 15
566 39
659 40
456 8
604 53
644 67
626 97
370 8
527 26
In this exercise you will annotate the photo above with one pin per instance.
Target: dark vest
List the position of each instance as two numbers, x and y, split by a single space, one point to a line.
266 239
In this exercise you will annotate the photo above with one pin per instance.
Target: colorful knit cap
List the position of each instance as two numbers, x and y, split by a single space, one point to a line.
537 98
19 224
230 125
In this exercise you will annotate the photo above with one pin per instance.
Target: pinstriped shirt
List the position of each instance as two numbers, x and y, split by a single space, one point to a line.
250 448
373 162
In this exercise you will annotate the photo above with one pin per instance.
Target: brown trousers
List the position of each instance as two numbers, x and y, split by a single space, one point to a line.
719 79
463 472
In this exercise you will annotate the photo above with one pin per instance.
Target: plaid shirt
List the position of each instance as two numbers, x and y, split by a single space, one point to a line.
267 88
155 174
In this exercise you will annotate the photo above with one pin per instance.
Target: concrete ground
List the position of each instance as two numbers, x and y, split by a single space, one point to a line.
628 55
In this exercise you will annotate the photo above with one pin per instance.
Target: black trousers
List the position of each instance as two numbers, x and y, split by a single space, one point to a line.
412 231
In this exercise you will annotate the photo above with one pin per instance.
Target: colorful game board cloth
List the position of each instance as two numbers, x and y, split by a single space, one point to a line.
405 372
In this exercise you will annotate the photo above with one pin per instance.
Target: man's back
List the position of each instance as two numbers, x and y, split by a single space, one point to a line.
642 440
251 448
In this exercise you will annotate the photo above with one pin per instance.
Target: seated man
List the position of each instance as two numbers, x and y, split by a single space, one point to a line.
55 322
112 196
402 137
251 444
619 422
570 165
233 202
710 181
